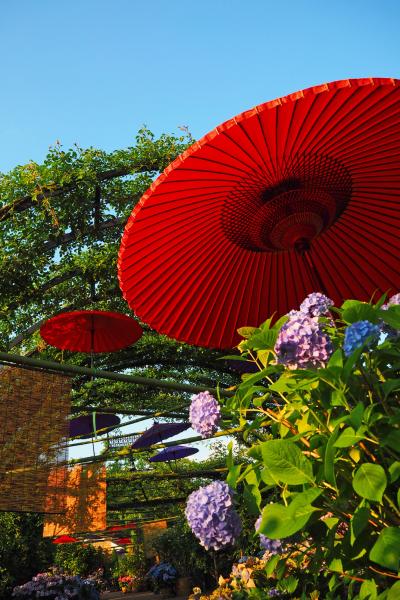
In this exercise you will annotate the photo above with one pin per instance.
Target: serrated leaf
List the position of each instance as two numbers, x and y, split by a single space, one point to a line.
286 462
370 482
385 551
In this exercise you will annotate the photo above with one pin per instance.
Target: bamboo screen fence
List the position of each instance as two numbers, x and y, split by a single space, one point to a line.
34 410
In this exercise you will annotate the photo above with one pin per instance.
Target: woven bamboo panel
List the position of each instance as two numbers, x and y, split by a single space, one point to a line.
85 501
34 409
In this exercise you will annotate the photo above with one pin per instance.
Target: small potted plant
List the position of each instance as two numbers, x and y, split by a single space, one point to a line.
127 583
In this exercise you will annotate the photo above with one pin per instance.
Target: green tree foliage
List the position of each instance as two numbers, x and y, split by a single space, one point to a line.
60 228
23 551
79 559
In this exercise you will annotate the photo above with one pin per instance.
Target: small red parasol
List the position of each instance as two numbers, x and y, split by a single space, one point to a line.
293 196
64 539
91 331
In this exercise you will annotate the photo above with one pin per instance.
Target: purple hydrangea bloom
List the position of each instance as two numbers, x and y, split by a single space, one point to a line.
302 343
391 331
273 592
393 301
273 546
204 414
357 334
316 305
212 517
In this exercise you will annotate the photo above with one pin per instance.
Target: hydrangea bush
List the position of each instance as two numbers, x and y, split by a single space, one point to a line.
57 587
322 417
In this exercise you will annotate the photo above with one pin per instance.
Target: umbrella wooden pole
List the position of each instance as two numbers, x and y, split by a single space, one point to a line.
68 369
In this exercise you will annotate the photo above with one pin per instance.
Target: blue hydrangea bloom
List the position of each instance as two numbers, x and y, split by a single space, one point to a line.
242 559
162 573
302 343
204 414
357 334
212 517
316 305
273 546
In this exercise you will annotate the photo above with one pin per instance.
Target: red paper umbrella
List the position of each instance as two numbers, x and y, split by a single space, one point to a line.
91 331
296 195
64 539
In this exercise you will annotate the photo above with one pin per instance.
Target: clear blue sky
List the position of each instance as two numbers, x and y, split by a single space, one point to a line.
94 71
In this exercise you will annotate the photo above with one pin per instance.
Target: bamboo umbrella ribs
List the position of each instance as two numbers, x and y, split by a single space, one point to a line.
293 196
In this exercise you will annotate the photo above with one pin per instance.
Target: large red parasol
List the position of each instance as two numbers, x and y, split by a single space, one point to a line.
295 195
91 331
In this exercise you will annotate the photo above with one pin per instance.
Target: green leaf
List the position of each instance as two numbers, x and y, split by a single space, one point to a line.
348 438
390 386
336 360
356 415
329 458
370 482
385 551
286 462
267 477
280 521
392 439
358 523
336 565
394 592
391 316
288 584
394 471
252 499
271 564
368 590
246 332
233 475
353 311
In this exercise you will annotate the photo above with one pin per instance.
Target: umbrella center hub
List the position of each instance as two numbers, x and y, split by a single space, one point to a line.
291 212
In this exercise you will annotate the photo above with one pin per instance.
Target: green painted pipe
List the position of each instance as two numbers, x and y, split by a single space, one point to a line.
68 369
